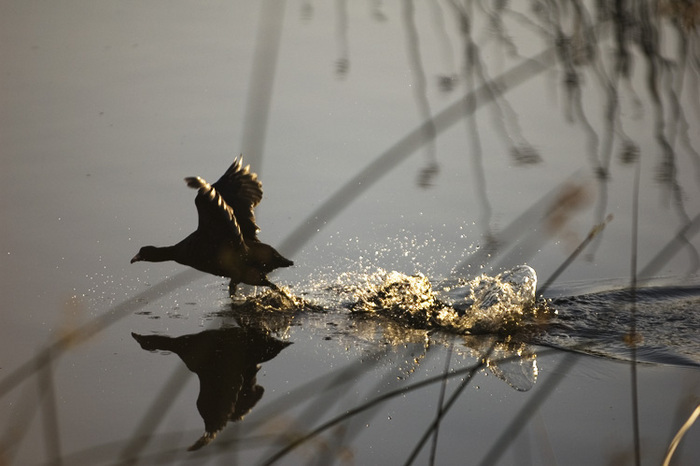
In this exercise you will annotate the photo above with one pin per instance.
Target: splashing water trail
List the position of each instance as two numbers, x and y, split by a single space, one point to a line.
485 304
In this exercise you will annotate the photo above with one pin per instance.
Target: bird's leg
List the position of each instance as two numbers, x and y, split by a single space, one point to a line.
232 288
272 286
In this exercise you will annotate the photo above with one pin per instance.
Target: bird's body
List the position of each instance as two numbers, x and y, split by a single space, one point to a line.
225 242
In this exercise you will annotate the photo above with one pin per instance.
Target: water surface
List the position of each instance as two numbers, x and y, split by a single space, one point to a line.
442 140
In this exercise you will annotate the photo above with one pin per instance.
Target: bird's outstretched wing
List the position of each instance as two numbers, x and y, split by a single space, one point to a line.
216 218
241 190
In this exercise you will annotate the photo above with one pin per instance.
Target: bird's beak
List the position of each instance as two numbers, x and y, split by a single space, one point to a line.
136 258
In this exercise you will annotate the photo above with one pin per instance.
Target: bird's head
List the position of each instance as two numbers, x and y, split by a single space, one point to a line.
144 254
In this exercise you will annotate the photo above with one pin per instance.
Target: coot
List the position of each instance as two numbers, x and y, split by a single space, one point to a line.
225 242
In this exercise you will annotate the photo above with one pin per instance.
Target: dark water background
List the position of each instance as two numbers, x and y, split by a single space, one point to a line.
447 139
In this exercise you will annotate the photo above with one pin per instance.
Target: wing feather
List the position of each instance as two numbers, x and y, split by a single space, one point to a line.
242 191
215 216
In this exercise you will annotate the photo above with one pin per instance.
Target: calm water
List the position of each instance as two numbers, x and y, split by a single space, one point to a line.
442 140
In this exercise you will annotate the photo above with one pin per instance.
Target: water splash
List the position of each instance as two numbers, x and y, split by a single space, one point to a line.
405 297
504 303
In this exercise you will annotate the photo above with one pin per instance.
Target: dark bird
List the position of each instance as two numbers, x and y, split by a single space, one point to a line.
225 242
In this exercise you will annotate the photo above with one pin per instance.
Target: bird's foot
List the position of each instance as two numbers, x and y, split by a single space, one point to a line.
232 289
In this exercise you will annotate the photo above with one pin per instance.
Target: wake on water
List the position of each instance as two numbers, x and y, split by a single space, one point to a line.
507 304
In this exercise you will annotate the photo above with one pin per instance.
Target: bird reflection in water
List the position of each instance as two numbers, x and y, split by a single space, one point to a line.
226 361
